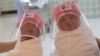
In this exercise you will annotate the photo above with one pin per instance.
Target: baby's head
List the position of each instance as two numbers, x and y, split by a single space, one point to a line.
31 25
67 16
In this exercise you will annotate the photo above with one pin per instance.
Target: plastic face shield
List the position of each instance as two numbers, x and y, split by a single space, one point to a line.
67 17
30 24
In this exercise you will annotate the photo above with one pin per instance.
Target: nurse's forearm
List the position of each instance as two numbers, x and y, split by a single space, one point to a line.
6 46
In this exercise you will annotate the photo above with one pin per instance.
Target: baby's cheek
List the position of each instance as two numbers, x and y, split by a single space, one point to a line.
76 24
37 32
63 26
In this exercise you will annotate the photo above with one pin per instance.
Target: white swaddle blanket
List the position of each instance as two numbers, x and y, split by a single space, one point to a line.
30 47
79 42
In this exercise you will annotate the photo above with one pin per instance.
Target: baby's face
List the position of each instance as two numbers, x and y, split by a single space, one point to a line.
30 29
68 22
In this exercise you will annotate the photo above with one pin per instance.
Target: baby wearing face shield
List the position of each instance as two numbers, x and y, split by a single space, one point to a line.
74 36
29 43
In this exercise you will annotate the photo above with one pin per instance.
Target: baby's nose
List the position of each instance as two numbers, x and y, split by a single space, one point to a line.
68 21
69 24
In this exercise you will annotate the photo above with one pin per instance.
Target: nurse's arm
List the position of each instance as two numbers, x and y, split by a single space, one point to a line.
7 46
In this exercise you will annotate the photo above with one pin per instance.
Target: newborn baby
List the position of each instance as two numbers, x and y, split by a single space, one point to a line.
29 43
74 36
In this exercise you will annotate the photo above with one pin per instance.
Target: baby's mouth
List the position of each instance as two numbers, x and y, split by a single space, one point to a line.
69 24
30 31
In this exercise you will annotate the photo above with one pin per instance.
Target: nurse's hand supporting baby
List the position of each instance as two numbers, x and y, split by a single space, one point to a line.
6 46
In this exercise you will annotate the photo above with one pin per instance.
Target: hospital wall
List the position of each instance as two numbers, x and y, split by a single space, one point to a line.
7 5
91 8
